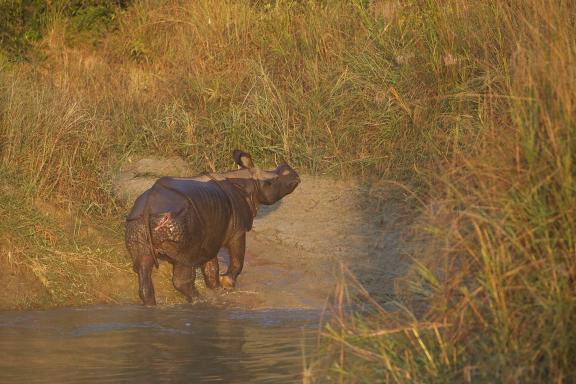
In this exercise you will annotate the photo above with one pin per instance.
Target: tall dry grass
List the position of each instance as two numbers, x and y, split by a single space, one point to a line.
198 79
499 286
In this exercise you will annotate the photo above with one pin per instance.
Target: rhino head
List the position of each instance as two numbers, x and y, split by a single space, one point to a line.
270 185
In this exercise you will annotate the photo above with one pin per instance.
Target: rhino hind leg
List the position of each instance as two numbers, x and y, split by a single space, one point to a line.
146 287
143 261
210 272
183 277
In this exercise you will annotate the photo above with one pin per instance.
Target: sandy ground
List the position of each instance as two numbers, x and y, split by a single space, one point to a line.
296 247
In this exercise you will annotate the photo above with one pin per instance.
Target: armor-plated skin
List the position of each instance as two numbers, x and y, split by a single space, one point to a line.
186 221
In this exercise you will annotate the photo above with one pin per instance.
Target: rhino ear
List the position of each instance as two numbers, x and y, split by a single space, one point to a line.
243 159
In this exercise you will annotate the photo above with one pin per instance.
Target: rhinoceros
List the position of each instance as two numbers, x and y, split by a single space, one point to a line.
186 221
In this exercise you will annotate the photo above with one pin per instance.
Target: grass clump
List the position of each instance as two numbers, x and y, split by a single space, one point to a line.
51 256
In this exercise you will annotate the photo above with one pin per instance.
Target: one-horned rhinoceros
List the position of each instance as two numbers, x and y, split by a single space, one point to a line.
186 221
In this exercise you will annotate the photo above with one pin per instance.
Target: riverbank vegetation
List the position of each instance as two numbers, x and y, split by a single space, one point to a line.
469 105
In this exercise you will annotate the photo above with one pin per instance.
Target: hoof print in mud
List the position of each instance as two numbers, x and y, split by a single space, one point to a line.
186 221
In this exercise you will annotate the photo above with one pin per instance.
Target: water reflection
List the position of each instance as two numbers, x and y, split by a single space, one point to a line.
118 344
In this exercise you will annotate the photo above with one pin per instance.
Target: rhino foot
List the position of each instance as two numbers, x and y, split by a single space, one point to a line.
226 281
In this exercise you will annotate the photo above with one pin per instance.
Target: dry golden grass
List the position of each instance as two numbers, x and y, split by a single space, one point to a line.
499 284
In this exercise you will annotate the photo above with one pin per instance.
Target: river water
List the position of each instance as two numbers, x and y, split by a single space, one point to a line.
167 344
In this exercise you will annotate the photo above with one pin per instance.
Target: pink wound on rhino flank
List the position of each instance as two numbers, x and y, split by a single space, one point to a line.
167 217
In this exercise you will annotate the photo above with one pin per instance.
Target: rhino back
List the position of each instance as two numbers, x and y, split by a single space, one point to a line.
157 200
170 193
138 207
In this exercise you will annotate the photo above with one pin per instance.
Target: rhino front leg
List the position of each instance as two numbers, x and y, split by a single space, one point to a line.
210 272
146 288
183 277
236 249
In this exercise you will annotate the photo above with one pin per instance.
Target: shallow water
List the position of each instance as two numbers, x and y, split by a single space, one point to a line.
176 344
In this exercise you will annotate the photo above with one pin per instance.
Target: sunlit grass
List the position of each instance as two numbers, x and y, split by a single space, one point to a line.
499 283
